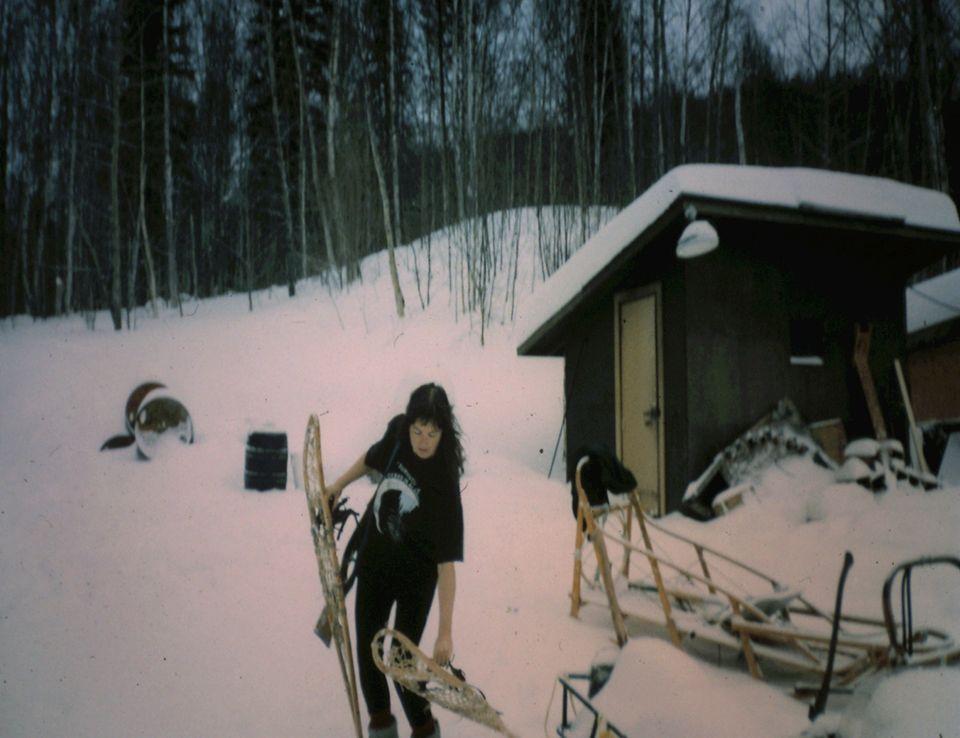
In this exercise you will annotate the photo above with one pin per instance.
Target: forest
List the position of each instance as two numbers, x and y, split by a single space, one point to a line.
157 151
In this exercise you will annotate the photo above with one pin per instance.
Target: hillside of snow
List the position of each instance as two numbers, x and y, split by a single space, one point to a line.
160 598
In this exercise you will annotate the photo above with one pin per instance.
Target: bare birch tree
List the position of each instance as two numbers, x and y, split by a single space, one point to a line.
173 279
286 250
116 251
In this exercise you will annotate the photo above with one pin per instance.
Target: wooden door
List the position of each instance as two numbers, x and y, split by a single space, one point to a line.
639 389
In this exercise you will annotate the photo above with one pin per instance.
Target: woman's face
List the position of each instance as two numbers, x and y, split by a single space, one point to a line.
424 438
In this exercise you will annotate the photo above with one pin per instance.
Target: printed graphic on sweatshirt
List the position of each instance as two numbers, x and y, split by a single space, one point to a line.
397 497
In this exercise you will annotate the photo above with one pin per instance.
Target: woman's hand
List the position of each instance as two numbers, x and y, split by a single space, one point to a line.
443 650
333 492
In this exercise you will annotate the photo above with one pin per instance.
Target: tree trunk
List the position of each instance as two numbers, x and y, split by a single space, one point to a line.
142 218
7 263
685 84
659 85
70 243
394 125
116 295
302 117
173 278
738 111
336 207
27 196
935 164
628 96
281 162
385 204
444 135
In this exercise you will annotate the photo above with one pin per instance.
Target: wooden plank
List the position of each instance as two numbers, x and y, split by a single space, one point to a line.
772 631
915 435
861 352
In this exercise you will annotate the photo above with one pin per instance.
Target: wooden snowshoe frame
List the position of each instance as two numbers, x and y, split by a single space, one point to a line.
324 543
401 659
773 623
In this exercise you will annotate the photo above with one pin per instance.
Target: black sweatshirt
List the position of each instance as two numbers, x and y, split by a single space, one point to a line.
417 504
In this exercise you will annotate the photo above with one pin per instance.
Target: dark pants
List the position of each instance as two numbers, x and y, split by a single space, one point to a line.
388 574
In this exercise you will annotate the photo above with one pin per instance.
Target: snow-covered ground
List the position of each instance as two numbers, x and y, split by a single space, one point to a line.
160 598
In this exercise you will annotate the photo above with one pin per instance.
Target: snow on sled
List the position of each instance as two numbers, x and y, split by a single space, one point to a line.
649 689
720 600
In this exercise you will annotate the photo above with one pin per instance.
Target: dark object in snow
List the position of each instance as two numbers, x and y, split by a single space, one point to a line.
150 413
133 403
778 435
600 472
820 702
123 440
832 437
119 441
161 419
880 466
265 464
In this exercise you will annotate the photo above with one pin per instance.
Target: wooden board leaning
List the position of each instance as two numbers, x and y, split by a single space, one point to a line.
324 543
404 662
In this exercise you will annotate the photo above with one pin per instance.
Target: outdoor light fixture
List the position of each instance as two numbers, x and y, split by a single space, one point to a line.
698 238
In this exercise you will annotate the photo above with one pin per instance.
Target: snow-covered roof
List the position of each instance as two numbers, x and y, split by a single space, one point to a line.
789 188
934 301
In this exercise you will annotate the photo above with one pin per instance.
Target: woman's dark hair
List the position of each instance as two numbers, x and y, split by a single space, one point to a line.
429 404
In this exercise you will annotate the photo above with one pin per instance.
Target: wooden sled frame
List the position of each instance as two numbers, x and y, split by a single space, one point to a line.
744 623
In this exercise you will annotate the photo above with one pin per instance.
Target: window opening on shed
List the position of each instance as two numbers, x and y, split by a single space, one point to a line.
806 342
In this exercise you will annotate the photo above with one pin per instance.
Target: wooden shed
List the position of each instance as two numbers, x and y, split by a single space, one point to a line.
668 359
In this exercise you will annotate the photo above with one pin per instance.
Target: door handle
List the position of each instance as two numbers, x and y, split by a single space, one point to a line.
651 416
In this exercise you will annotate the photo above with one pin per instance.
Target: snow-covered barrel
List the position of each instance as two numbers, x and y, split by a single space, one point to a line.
265 464
161 421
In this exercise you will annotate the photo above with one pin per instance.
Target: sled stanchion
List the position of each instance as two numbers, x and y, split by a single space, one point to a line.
820 702
706 570
628 534
747 645
603 562
655 569
575 600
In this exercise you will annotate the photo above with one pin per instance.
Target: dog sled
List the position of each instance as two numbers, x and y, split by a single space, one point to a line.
723 601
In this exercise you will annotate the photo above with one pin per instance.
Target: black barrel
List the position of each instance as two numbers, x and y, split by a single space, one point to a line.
266 461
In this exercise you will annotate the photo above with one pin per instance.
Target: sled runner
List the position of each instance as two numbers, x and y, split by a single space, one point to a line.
404 662
324 543
573 701
697 592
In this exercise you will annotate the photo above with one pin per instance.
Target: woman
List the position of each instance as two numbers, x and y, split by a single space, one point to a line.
413 540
